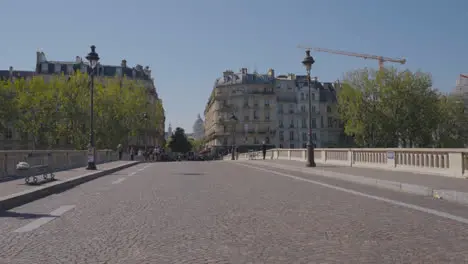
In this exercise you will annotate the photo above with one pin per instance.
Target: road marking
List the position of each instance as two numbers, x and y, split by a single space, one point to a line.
378 198
44 220
118 181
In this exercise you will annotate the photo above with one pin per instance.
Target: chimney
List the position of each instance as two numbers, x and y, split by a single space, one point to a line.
244 70
124 63
78 59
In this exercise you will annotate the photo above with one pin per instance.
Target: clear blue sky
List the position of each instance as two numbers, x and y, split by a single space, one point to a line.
188 43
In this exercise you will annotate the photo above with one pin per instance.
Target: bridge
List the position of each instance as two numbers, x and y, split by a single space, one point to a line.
356 206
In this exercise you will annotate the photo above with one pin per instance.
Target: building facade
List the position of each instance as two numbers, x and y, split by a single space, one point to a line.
47 69
275 111
250 98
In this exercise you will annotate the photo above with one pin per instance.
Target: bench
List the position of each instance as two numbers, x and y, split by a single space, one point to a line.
34 166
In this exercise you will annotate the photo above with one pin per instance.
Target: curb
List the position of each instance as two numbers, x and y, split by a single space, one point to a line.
24 197
448 195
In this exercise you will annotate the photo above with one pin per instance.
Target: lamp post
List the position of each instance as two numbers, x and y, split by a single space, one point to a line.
145 118
93 59
233 120
307 62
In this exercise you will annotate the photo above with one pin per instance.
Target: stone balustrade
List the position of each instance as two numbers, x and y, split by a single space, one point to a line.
57 159
446 162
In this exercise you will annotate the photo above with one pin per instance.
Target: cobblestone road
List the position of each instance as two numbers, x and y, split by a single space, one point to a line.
220 212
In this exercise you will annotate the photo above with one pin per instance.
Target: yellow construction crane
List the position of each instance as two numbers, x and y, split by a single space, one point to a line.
381 59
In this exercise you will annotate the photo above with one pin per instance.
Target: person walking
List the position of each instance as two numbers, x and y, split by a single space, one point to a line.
264 149
120 150
132 153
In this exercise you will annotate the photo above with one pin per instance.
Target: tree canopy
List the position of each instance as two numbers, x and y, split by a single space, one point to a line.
179 142
197 144
393 108
58 108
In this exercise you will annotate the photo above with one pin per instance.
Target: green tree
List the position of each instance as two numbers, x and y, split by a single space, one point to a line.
36 111
197 145
179 141
452 131
8 109
389 108
73 96
58 109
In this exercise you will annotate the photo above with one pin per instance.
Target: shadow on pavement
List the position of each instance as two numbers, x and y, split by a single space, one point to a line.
190 174
5 214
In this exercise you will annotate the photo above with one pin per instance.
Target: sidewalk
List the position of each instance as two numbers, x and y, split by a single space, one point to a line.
18 189
454 189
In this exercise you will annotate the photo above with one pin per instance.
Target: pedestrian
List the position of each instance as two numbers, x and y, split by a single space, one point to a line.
120 150
264 149
132 153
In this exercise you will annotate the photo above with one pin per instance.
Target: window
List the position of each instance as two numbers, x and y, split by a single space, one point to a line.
314 123
314 136
280 145
304 145
313 97
291 123
302 96
255 117
246 118
291 135
280 123
267 102
321 122
303 108
8 133
329 109
44 68
255 140
58 68
304 123
246 102
314 110
281 135
267 115
291 145
330 122
255 102
304 136
280 108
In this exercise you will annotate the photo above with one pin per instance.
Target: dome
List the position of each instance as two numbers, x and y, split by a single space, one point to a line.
198 128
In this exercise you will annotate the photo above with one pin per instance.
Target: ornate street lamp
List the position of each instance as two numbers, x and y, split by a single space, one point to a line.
93 59
145 118
307 62
233 120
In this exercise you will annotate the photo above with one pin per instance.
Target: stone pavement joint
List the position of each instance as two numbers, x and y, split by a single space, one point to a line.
16 193
418 189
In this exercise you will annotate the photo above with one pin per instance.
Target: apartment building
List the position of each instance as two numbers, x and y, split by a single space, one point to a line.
274 109
250 97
